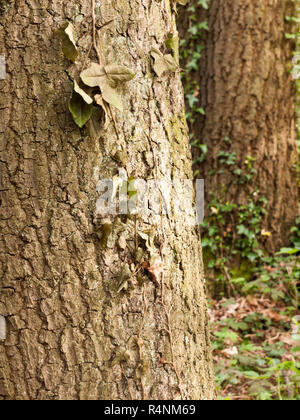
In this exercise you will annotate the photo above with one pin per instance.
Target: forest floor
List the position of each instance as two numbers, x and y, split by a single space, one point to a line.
256 335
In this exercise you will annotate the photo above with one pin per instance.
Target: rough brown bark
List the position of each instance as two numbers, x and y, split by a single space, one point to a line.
248 95
70 335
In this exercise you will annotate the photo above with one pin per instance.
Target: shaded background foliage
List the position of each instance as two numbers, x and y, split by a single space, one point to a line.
254 290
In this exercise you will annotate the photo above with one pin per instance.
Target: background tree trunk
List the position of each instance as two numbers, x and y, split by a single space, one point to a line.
249 98
70 334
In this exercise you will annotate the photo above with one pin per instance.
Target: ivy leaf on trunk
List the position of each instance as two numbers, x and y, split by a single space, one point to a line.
99 100
82 93
118 74
163 63
110 95
66 33
93 76
80 106
96 75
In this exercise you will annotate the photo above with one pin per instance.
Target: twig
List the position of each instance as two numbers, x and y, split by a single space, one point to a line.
94 32
87 56
114 121
136 232
93 43
101 60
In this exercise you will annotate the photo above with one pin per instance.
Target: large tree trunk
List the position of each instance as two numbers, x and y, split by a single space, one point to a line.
248 96
70 333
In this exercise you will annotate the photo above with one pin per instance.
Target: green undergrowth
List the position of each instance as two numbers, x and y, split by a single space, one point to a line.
255 310
256 334
191 47
233 232
256 328
254 304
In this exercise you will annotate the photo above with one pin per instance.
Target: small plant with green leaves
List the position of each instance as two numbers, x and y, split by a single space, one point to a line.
249 362
295 70
232 232
256 356
190 55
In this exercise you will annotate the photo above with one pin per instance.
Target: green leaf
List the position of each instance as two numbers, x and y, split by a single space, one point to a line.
163 63
118 74
251 374
172 43
80 109
289 251
66 33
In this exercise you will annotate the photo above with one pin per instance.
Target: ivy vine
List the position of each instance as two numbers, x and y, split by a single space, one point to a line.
98 84
104 79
